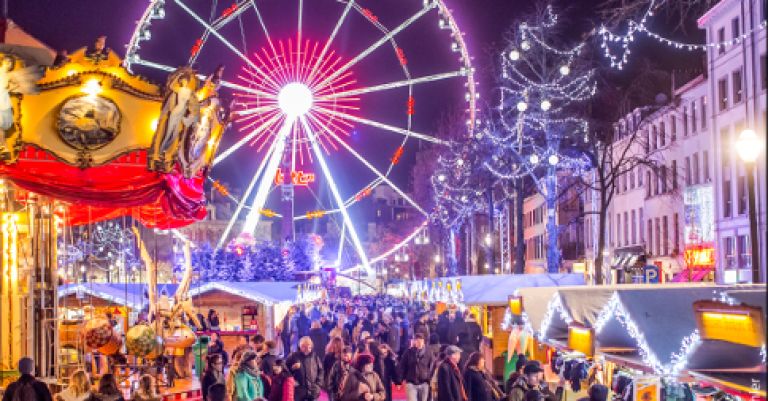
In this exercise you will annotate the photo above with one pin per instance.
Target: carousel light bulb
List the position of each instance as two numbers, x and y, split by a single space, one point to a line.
295 99
514 55
522 106
553 160
92 87
534 159
545 105
565 70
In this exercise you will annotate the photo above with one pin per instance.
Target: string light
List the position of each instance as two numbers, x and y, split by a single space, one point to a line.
555 305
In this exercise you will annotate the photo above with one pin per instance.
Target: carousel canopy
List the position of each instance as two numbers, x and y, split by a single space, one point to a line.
495 289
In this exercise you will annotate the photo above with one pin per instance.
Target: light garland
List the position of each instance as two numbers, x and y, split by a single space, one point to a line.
616 309
611 40
554 305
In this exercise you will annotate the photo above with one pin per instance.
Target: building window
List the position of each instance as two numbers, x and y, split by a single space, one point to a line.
626 228
618 229
665 230
677 234
663 179
744 252
649 244
687 171
721 40
662 134
634 228
673 128
674 175
632 179
729 253
693 117
738 92
695 162
640 175
727 197
722 92
742 195
648 184
647 141
640 223
658 236
685 120
703 112
658 182
655 138
705 165
735 28
763 71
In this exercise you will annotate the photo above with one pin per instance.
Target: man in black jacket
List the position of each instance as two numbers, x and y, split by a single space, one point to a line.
416 369
307 370
27 387
449 384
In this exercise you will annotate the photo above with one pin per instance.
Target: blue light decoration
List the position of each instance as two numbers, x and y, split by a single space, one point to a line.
541 121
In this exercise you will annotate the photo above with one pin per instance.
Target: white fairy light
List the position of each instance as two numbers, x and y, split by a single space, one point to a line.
525 45
522 106
514 55
545 105
565 70
554 305
534 159
553 160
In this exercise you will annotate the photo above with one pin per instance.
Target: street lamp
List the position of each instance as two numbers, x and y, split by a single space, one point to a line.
749 147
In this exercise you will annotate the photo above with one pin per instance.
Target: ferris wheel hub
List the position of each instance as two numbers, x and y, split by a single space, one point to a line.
295 99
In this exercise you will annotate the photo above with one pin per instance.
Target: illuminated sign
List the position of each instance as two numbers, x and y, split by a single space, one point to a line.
699 214
581 339
738 324
700 256
300 178
516 305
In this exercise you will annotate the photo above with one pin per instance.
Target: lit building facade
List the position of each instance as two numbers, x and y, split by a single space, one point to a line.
737 86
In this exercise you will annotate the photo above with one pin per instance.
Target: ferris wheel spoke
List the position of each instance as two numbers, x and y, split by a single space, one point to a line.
393 85
253 217
367 164
328 42
385 127
336 195
247 193
232 85
252 135
218 23
378 43
223 40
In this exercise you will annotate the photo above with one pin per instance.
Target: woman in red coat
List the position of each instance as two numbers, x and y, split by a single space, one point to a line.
282 383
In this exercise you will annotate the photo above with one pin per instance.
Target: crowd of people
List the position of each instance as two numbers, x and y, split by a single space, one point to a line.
351 349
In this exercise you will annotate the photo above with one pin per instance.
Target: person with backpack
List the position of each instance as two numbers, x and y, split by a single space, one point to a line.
27 387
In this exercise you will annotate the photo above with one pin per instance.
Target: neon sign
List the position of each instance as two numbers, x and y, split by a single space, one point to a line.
702 256
300 178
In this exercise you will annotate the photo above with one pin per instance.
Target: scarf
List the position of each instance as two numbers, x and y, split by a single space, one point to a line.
461 381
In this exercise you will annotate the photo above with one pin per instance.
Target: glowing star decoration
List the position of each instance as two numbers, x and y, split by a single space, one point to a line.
292 82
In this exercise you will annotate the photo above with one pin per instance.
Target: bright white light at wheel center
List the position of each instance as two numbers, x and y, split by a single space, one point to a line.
295 99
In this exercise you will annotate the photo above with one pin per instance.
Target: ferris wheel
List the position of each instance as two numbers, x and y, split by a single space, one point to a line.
327 97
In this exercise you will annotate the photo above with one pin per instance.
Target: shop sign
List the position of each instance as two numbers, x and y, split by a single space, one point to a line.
516 305
647 388
700 256
738 324
581 339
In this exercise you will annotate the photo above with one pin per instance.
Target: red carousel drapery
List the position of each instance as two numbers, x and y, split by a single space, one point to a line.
123 187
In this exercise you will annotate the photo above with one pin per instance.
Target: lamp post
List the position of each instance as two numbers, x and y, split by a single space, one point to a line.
749 147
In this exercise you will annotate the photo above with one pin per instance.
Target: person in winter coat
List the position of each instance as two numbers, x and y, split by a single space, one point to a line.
307 370
282 383
319 339
214 373
450 386
213 320
533 379
333 353
385 365
421 326
337 372
474 333
521 361
216 346
416 368
248 386
146 390
108 390
269 358
361 383
477 385
596 392
79 388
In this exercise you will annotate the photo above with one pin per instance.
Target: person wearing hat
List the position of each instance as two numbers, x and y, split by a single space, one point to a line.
27 386
416 368
450 386
248 386
533 379
519 364
361 383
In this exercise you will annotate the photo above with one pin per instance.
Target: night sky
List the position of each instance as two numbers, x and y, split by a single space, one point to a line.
73 24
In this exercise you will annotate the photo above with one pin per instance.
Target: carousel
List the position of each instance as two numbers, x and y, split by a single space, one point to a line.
87 141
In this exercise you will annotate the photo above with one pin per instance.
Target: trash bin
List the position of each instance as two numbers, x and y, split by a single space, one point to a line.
200 352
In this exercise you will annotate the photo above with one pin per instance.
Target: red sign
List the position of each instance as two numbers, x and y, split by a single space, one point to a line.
297 177
700 256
